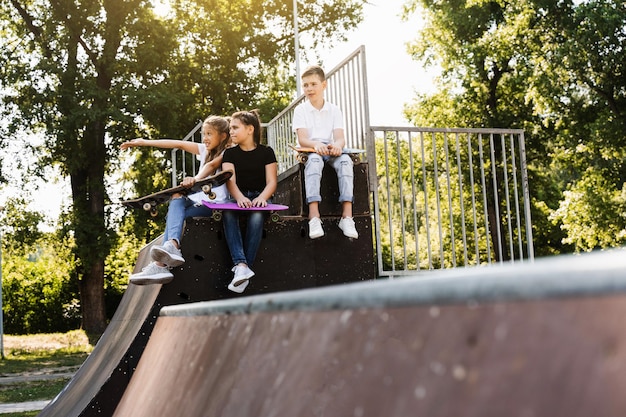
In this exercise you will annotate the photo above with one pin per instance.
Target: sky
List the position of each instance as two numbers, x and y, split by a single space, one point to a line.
393 80
393 77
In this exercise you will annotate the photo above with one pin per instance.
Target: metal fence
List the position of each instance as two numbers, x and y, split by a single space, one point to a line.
184 163
442 198
347 88
446 198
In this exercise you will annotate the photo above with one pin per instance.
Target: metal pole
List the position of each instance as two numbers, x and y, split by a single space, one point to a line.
297 44
1 316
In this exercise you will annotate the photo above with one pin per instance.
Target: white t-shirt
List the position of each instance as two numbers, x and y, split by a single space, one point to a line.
221 192
320 124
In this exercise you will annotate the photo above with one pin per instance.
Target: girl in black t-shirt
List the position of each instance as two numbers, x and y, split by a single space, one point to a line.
252 185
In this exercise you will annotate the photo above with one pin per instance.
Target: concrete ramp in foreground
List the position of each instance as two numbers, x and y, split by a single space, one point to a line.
532 340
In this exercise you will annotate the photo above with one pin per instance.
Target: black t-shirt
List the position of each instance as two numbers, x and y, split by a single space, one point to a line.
250 166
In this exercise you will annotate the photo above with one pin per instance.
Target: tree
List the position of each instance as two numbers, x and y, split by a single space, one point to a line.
554 69
95 73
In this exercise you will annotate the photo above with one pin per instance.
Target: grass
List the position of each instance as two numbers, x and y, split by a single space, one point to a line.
40 354
31 391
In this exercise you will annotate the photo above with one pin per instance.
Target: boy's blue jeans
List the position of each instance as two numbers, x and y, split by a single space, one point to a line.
344 167
180 209
243 250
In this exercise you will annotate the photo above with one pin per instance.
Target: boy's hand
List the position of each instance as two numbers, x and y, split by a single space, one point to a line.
321 149
334 150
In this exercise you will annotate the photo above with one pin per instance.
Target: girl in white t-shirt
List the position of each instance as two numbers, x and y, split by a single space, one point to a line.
215 139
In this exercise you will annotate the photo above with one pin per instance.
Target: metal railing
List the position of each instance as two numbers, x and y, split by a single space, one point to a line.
442 198
184 163
447 198
347 88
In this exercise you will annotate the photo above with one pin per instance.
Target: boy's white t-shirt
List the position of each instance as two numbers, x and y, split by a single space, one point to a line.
320 124
221 192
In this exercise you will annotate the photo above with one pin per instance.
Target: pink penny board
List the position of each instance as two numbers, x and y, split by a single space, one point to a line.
234 206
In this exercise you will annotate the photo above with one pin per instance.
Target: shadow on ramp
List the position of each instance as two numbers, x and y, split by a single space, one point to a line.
542 340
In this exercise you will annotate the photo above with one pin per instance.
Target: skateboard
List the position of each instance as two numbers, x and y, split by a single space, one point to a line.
303 153
151 201
218 207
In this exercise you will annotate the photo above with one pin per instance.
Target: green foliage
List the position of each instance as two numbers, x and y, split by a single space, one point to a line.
119 265
555 69
593 213
94 74
38 292
21 226
38 295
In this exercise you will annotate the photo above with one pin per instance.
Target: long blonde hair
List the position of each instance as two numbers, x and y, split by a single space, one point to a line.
221 125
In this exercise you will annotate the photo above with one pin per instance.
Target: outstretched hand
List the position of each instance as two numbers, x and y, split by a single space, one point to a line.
133 143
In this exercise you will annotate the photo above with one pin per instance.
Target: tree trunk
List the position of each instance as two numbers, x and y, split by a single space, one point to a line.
91 234
92 299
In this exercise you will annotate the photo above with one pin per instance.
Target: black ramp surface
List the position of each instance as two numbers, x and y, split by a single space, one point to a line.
287 260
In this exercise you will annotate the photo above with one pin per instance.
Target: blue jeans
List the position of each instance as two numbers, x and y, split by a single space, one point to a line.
243 250
180 209
313 168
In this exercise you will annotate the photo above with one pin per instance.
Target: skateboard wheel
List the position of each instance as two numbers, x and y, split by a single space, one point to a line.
154 212
217 216
207 189
274 217
147 206
302 158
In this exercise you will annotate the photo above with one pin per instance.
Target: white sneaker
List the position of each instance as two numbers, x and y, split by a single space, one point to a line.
315 228
152 274
346 224
241 288
241 279
167 254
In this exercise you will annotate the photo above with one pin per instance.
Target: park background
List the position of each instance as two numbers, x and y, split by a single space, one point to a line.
554 69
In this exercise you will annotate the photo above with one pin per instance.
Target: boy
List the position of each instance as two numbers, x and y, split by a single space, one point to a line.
319 124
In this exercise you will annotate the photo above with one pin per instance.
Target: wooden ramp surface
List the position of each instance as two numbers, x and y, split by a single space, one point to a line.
541 340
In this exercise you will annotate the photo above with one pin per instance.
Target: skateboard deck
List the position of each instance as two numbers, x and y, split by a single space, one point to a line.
303 153
218 207
151 201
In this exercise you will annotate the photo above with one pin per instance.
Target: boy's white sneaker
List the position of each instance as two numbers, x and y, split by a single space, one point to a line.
241 279
152 274
167 254
315 228
346 224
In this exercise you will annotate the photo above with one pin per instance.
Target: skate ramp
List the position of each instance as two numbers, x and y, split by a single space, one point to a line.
98 384
542 340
